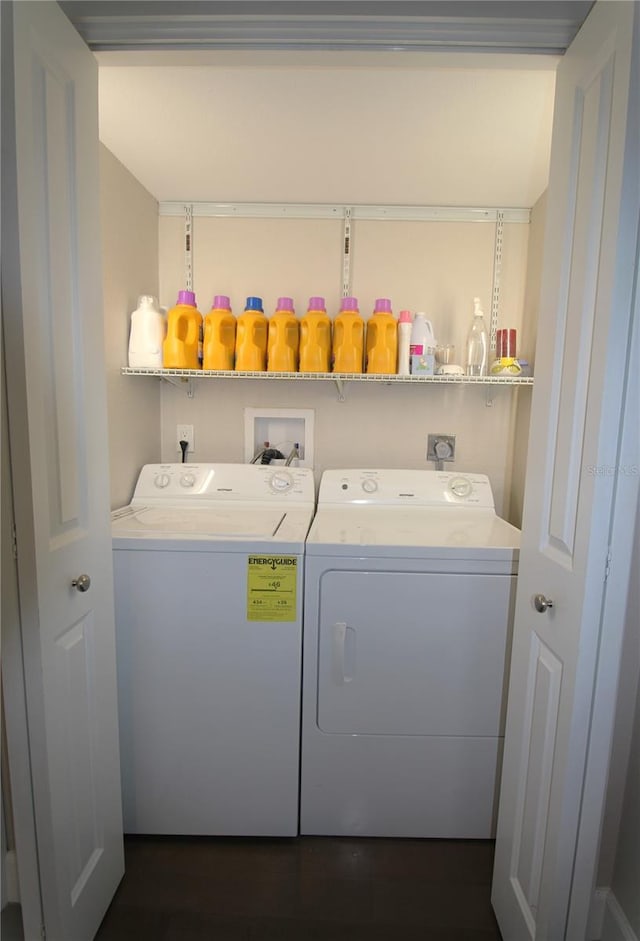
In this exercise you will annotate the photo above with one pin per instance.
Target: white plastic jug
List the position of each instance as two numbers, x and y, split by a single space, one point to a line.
148 329
422 336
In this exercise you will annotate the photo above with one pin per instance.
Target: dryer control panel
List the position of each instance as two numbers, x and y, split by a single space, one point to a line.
392 487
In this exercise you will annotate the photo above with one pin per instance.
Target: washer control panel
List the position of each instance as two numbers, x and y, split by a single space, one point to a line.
223 483
392 487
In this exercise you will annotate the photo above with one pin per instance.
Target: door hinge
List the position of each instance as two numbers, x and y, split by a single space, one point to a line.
14 542
607 566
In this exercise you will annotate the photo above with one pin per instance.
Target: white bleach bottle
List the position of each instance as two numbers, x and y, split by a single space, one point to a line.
423 341
148 330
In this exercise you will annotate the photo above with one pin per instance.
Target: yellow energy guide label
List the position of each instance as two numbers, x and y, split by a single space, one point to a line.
271 587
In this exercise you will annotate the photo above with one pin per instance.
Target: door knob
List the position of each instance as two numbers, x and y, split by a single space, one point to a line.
541 603
81 583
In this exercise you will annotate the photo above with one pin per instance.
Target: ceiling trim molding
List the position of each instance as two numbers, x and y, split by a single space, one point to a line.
513 34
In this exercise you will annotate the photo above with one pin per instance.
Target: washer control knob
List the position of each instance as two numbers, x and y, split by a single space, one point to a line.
281 481
369 485
162 480
187 480
460 486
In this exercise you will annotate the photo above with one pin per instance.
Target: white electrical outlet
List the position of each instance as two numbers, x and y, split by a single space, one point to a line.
185 433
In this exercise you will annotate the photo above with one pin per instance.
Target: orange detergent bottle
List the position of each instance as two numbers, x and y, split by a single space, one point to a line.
348 338
184 327
219 348
251 337
315 337
283 338
382 339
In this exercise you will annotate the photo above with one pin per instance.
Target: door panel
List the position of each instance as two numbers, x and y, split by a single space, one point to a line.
583 330
54 143
589 139
543 689
58 437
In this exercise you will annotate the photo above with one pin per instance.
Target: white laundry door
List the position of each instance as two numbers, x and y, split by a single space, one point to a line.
52 311
583 331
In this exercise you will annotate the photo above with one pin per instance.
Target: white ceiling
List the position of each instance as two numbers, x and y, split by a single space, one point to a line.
400 128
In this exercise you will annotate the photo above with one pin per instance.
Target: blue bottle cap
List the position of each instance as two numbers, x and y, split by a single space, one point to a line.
254 303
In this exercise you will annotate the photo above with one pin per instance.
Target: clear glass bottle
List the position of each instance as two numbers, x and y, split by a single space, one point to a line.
477 343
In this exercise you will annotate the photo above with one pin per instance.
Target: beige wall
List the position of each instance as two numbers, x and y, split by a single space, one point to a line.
359 126
436 267
130 268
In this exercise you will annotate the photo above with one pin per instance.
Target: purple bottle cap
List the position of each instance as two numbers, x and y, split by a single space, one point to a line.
317 303
349 303
221 302
187 297
383 304
285 303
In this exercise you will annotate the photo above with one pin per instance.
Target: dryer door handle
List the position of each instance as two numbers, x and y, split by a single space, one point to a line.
344 652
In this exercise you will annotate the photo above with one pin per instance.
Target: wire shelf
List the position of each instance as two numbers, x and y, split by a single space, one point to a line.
326 376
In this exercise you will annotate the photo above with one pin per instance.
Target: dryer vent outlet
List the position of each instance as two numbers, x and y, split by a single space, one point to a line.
441 447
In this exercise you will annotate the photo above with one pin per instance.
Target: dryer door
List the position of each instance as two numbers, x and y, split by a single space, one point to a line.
413 653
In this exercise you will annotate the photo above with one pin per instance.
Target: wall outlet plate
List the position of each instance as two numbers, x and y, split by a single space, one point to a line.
441 447
185 433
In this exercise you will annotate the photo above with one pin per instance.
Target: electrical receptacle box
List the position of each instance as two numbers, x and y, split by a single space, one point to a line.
185 433
441 447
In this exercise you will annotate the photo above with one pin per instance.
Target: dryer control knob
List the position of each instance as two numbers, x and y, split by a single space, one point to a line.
187 480
162 481
460 486
281 481
369 485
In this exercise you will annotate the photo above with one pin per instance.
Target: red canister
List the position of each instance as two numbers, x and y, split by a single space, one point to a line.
505 344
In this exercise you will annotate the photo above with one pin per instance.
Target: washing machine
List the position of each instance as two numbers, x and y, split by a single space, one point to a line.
208 563
410 580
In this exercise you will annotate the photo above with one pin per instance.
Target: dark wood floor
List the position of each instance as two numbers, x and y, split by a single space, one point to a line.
303 889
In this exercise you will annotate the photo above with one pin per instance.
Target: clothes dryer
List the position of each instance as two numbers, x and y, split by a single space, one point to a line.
409 589
208 563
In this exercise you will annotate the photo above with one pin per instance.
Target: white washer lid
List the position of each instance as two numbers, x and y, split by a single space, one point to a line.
447 532
204 521
211 523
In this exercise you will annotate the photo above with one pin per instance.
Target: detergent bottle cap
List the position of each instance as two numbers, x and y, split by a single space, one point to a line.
221 302
187 297
383 305
404 316
317 303
349 303
148 300
285 303
254 303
